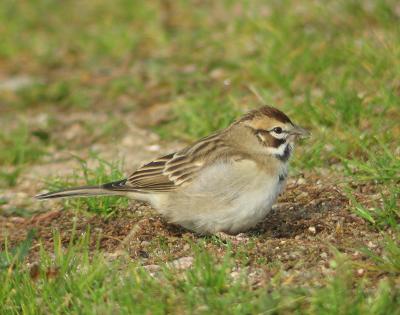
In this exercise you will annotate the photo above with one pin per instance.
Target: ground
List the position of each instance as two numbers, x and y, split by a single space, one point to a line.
91 92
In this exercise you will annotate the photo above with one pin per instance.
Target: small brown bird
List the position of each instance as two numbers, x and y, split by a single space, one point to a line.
226 182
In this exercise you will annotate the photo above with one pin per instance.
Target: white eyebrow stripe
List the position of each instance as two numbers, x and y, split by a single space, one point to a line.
282 135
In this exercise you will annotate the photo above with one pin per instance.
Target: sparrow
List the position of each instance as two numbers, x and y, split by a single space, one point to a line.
226 182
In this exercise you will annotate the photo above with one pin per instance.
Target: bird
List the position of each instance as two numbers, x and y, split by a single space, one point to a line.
226 182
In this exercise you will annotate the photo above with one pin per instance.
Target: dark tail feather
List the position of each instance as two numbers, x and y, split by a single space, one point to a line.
86 191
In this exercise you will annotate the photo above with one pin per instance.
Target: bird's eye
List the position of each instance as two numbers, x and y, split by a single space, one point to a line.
277 130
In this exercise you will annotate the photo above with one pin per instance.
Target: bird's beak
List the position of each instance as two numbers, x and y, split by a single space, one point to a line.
300 132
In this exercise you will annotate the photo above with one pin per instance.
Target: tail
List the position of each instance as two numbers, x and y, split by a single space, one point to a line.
113 188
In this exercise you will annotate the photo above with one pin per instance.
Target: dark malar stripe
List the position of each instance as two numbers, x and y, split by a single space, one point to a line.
286 154
276 143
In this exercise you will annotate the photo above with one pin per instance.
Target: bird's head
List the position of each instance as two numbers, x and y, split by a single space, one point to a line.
275 132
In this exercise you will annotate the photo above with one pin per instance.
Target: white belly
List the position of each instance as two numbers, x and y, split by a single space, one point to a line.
226 197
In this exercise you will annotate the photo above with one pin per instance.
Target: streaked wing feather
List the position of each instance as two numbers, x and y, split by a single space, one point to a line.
171 171
164 174
174 170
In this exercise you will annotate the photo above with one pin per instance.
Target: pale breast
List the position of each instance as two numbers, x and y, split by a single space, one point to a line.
228 197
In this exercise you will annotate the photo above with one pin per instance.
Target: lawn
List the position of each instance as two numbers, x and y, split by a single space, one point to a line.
91 90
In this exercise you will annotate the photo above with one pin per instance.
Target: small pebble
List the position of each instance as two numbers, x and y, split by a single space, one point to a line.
301 181
182 263
17 220
152 268
235 275
303 194
153 148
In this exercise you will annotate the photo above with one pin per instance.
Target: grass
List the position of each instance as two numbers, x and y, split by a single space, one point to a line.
103 172
192 121
18 147
381 216
379 164
72 280
389 260
63 93
332 66
9 258
326 73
